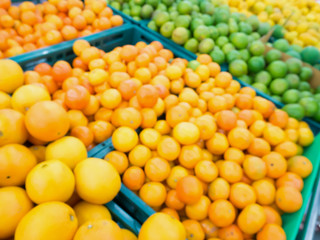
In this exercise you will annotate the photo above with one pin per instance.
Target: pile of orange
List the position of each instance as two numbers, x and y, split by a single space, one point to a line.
223 161
28 27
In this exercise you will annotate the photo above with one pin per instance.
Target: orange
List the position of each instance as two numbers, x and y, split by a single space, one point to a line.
276 164
103 114
162 226
118 159
43 182
240 138
147 95
128 89
12 127
97 64
274 135
39 152
189 189
127 235
209 228
89 54
128 53
206 171
190 156
101 130
176 114
300 165
305 136
290 179
77 118
53 37
97 229
104 182
157 169
263 106
124 139
192 80
279 118
257 128
133 178
79 46
288 199
162 127
168 148
199 210
193 229
259 147
222 213
271 231
43 217
272 215
231 171
149 118
226 120
153 194
11 76
241 195
171 212
247 116
231 232
265 191
83 133
15 203
218 144
223 79
217 104
5 4
151 138
92 107
116 20
17 162
111 98
244 101
173 72
188 95
172 200
287 149
251 219
5 100
234 154
254 167
139 155
219 189
176 173
61 70
207 126
90 212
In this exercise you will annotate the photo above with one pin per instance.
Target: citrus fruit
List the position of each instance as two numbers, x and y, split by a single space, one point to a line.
11 75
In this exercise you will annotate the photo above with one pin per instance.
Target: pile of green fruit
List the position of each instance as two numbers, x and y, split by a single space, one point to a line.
141 9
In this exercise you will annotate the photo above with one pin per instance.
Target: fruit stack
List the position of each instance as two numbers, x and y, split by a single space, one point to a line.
30 26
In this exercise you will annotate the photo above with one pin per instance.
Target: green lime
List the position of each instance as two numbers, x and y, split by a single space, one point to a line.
182 21
261 87
318 89
139 2
317 97
294 54
126 11
278 86
293 80
233 55
233 26
222 40
240 40
304 86
193 64
214 33
201 32
263 77
255 35
278 32
254 22
245 27
146 11
310 55
317 115
305 74
162 7
250 39
196 22
206 45
277 69
184 7
235 16
153 26
294 110
166 29
269 9
273 55
256 64
218 56
238 68
245 55
116 5
223 29
192 45
161 18
246 79
228 47
310 106
282 45
153 3
136 11
207 19
294 65
136 18
180 35
277 98
305 94
291 96
257 48
168 3
264 28
296 48
222 15
207 7
173 15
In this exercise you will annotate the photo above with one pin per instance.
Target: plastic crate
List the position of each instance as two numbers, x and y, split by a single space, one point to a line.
315 126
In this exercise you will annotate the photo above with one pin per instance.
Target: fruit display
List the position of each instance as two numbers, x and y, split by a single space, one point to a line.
30 26
302 27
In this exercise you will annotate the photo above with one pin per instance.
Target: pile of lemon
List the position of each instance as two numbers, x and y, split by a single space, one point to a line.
303 26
